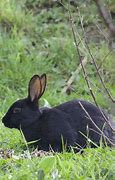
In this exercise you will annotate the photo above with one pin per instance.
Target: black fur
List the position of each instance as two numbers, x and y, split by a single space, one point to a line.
67 123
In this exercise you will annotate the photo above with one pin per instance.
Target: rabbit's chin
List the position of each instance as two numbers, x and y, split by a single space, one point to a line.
8 125
11 125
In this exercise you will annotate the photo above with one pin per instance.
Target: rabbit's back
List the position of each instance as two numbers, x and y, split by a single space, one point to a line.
82 124
74 106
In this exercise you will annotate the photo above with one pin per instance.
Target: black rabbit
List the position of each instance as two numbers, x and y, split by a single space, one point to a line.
66 124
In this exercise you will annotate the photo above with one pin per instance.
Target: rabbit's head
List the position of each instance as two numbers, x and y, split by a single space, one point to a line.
26 111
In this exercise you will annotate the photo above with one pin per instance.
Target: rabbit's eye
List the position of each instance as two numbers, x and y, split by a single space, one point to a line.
16 110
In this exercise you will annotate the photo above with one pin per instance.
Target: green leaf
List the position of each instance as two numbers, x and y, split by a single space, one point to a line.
47 164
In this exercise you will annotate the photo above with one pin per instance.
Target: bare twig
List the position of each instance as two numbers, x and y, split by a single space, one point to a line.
81 58
98 133
96 67
102 32
106 16
104 59
95 124
82 65
94 62
71 79
106 119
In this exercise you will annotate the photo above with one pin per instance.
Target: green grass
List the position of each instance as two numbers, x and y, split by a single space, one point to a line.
93 164
33 40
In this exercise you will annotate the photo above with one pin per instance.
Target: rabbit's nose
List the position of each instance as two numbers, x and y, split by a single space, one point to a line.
4 120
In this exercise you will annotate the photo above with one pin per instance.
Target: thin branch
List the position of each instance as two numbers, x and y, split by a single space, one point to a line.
106 119
94 62
98 133
106 16
82 65
102 32
81 58
104 59
96 67
95 124
71 79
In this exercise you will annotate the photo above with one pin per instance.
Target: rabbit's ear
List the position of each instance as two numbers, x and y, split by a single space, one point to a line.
43 81
35 88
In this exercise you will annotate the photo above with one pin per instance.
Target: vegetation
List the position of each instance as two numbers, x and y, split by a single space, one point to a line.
36 38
